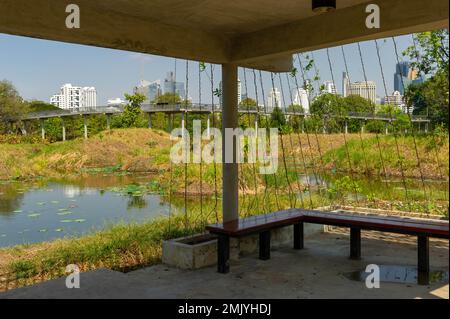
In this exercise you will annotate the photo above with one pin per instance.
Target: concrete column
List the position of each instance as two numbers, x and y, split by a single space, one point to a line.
208 125
42 129
230 203
362 127
387 128
346 127
23 127
426 127
108 121
183 115
149 120
169 122
85 127
63 123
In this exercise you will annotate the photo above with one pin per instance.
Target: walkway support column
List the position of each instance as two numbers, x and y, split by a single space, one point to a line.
229 121
108 122
63 123
346 127
387 128
85 127
42 128
149 120
208 125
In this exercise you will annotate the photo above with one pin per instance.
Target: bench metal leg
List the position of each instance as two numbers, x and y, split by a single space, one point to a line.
223 254
423 265
298 236
264 245
355 243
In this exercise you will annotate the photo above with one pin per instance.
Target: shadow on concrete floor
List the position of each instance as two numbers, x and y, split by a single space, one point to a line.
318 271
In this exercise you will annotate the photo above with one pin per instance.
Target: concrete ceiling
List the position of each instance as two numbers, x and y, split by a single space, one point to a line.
254 33
229 17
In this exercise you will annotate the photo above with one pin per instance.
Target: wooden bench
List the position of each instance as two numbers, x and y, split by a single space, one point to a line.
263 224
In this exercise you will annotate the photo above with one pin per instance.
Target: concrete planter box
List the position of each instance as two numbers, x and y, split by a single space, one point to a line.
200 251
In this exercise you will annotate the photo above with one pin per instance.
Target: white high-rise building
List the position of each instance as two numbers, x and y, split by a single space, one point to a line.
273 99
73 97
301 98
395 99
367 90
329 87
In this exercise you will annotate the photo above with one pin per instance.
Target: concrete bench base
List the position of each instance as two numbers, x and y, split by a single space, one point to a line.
199 251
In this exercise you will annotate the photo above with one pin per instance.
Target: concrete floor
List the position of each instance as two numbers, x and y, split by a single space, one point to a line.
315 272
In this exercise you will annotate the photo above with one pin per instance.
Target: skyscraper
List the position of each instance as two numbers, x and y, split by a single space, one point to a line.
174 87
404 76
273 99
301 98
367 90
73 97
151 90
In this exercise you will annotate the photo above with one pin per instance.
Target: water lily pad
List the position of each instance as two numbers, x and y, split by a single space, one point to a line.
79 220
41 203
42 230
54 202
64 213
58 230
17 211
34 215
66 221
3 235
62 209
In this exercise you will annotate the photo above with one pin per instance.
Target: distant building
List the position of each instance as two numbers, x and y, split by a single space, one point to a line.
174 87
151 90
404 76
74 97
273 99
116 102
329 87
396 99
301 97
367 90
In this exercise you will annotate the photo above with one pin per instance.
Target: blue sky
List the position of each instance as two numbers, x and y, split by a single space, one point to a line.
38 68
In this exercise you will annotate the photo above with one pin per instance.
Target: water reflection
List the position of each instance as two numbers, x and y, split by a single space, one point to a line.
47 209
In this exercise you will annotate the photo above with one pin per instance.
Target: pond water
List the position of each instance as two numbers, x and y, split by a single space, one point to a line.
45 210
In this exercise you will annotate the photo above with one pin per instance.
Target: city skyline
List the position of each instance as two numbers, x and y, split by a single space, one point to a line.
115 72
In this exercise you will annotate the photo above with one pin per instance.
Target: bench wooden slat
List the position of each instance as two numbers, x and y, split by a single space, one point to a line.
257 223
404 225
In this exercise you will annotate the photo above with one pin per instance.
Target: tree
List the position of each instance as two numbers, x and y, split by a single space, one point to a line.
248 104
168 98
132 110
356 104
430 53
277 118
11 104
327 104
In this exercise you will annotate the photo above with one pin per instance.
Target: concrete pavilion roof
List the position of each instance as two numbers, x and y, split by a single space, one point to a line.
262 34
